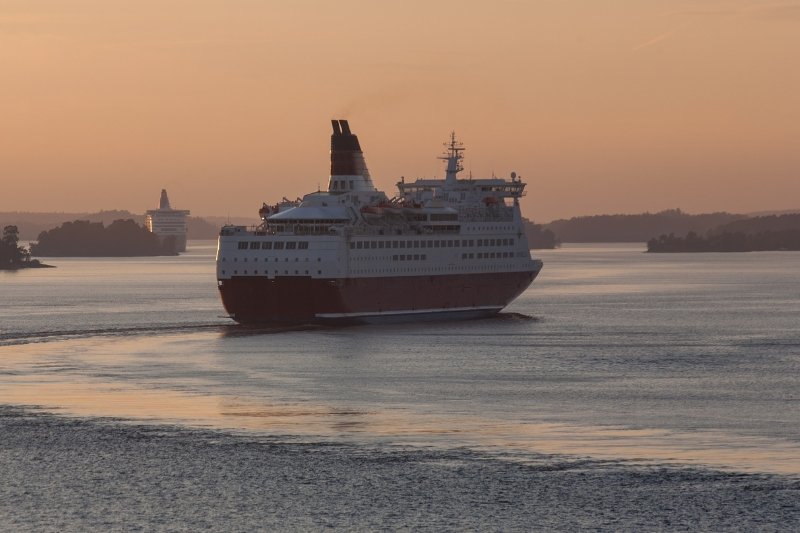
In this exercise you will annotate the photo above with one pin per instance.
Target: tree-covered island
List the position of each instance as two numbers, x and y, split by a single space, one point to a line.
540 237
81 238
757 234
12 255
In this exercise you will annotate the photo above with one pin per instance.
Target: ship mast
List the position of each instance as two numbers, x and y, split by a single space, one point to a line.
453 156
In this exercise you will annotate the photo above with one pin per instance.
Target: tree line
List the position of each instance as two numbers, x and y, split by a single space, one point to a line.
539 236
12 255
32 224
636 228
757 234
121 238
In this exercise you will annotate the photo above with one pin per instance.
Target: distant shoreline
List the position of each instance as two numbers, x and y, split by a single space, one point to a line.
23 266
770 240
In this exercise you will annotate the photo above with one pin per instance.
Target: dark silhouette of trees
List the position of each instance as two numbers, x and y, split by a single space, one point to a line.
763 224
81 238
636 228
757 234
32 224
12 255
540 237
762 241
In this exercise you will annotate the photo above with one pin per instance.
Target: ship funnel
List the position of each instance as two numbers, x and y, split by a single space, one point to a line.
348 168
164 202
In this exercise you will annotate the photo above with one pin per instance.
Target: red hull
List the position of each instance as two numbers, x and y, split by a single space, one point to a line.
293 299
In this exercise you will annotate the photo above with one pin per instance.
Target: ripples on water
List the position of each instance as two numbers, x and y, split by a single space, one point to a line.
611 355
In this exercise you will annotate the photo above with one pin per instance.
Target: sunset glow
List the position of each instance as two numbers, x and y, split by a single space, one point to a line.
616 106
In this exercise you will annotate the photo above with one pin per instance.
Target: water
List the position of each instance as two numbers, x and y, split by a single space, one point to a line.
615 362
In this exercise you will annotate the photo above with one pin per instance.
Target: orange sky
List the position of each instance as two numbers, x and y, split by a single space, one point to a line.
612 106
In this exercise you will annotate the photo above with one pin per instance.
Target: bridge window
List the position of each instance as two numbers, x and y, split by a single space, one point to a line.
243 245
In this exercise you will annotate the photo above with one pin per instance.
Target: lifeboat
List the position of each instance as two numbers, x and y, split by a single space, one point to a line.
372 211
266 211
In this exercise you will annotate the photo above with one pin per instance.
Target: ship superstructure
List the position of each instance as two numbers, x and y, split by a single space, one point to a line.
168 223
446 248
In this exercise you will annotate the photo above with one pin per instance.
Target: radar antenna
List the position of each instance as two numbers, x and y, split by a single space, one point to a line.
453 156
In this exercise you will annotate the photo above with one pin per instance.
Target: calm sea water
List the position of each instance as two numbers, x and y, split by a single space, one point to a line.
612 354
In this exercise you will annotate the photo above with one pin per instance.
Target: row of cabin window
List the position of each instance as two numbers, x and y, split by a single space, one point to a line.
359 245
276 272
269 245
488 255
410 257
443 217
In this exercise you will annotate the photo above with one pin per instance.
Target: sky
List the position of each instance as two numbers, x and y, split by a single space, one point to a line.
619 106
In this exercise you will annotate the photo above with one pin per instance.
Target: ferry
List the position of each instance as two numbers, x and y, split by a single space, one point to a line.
451 248
168 223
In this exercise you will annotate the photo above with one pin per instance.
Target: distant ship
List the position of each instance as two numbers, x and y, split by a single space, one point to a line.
442 248
168 223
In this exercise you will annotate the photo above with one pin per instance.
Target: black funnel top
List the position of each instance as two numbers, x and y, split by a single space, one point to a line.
346 156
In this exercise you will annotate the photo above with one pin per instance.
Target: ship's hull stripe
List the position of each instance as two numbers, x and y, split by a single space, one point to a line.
490 308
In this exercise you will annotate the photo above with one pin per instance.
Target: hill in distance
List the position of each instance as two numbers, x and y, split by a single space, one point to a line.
636 228
768 233
596 228
32 224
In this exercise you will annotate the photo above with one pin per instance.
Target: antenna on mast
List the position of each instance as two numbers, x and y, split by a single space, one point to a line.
453 156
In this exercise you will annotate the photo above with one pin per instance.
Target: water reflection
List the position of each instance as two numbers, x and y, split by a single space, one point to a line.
611 354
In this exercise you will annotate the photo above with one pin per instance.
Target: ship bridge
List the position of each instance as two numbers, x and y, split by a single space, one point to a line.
452 189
